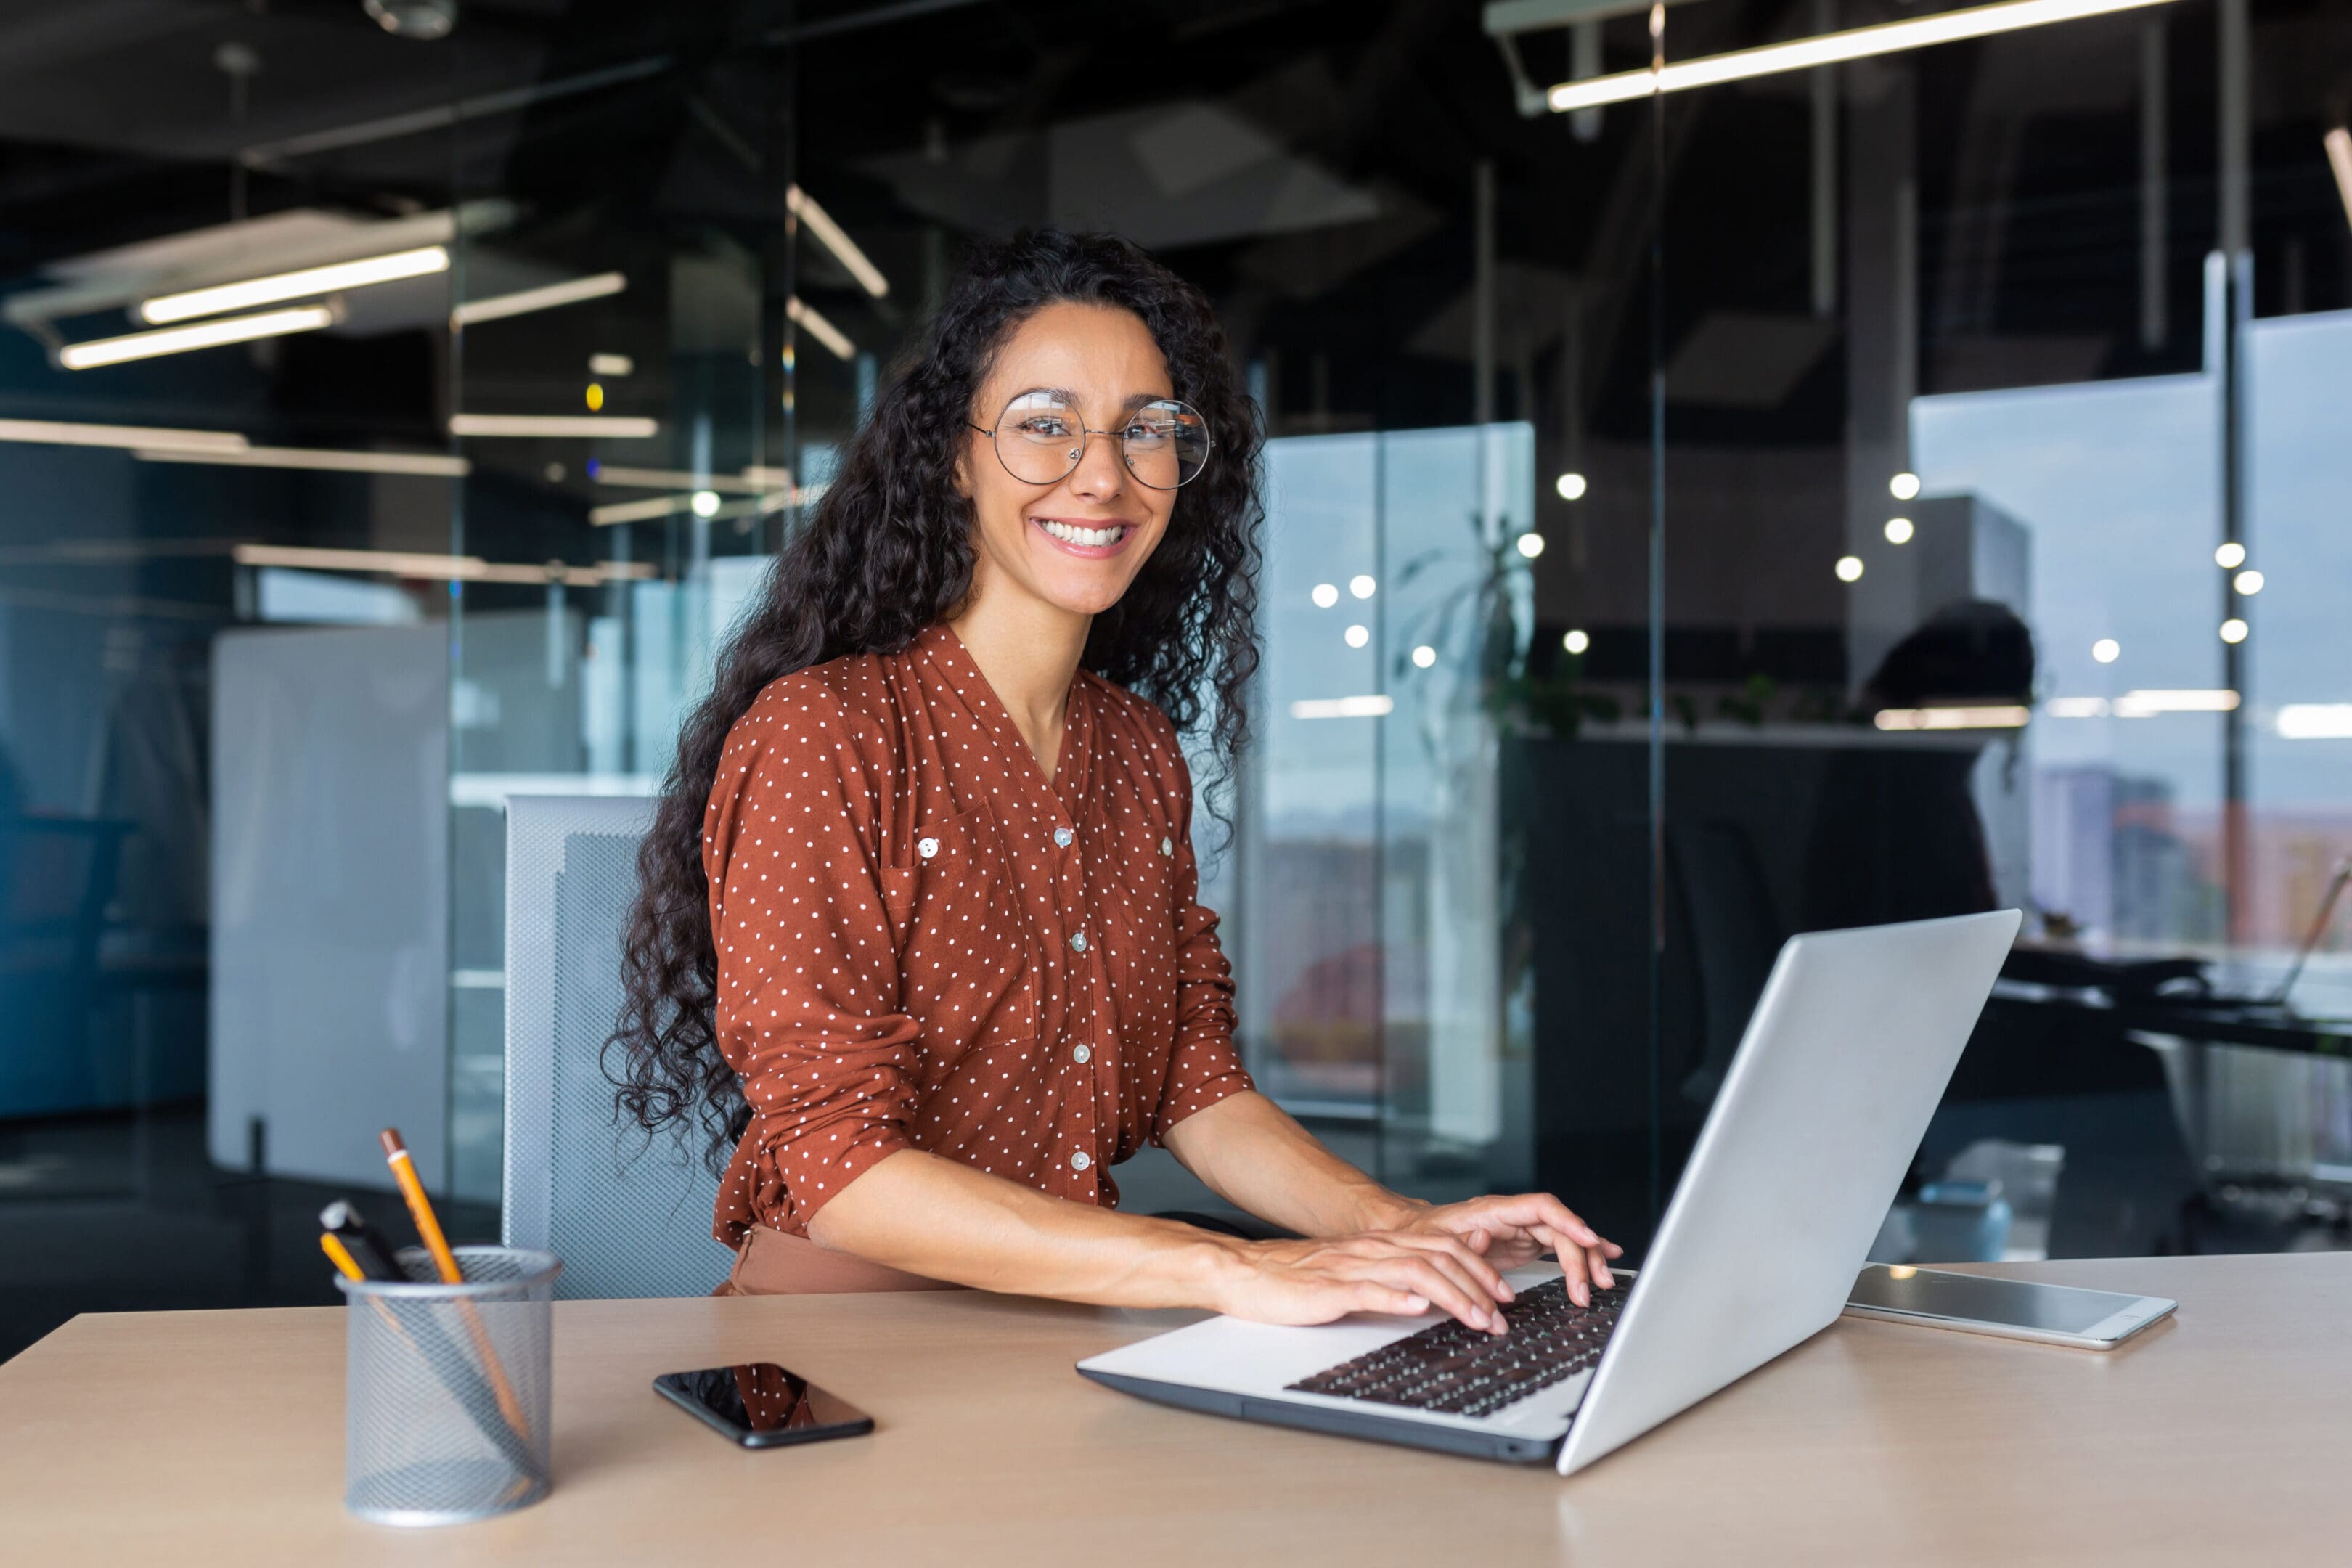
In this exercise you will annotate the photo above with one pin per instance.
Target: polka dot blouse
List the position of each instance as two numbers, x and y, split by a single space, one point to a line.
923 942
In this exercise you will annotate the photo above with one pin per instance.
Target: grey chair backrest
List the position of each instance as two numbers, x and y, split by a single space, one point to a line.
628 1216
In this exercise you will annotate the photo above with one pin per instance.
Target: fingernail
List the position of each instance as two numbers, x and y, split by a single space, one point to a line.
1607 1279
1417 1303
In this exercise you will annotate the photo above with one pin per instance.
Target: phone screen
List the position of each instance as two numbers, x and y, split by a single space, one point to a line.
2058 1309
761 1403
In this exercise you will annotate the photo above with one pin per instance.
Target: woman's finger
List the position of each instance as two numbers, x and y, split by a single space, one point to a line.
1416 1273
1489 1278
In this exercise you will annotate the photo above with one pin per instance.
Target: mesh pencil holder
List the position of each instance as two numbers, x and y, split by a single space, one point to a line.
446 1388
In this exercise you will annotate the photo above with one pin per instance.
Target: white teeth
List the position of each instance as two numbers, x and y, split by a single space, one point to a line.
1070 535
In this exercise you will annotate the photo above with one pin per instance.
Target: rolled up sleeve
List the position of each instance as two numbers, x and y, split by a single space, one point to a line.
1205 1067
808 1009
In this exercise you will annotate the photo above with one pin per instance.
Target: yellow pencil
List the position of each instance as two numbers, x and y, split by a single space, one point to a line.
445 1263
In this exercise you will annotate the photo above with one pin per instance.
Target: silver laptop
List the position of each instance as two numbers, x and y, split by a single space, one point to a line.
1850 1049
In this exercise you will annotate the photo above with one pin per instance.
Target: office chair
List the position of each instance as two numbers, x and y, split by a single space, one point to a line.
628 1215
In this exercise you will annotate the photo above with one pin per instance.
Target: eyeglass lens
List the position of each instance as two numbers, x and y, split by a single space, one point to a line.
1041 437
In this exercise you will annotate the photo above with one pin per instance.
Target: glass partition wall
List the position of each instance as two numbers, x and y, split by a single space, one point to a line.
1835 494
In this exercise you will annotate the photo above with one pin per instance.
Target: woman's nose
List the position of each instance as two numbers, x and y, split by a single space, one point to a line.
1101 472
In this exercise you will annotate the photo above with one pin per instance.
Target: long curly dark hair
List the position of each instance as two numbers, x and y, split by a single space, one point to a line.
888 552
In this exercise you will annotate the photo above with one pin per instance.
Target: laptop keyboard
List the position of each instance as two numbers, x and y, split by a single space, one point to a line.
1464 1371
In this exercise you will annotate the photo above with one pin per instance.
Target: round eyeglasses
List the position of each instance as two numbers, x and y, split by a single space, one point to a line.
1041 437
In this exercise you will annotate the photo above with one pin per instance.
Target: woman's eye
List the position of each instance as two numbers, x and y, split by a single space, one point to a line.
1044 425
1145 430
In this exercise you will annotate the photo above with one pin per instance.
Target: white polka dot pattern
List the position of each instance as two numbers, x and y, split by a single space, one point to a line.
923 942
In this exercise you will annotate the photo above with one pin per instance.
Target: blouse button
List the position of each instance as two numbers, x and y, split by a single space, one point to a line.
1062 836
1079 1161
1082 1055
1168 847
1078 940
927 848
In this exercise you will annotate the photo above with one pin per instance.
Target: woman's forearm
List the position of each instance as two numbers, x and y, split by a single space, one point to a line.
939 1217
1252 1154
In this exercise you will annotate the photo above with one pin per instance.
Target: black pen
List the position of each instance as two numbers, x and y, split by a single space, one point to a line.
368 1246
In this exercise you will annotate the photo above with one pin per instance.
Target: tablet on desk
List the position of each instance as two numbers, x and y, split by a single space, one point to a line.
2017 1309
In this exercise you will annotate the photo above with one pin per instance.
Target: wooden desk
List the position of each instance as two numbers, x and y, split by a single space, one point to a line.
2218 1437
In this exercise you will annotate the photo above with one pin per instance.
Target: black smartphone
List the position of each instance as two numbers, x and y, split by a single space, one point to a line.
762 1405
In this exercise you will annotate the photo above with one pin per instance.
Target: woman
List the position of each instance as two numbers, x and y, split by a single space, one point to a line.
917 931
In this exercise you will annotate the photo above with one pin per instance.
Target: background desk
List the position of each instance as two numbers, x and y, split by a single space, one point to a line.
2219 1437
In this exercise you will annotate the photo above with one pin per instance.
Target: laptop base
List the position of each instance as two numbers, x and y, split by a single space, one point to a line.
1367 1424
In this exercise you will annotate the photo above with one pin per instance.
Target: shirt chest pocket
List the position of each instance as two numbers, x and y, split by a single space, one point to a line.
967 967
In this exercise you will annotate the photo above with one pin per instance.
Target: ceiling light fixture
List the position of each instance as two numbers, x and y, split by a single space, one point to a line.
2143 704
2003 717
1830 48
135 437
612 366
1373 707
820 329
752 481
203 335
2316 721
591 426
305 283
1576 641
523 302
1849 568
441 568
803 205
1571 485
1898 530
2230 556
424 465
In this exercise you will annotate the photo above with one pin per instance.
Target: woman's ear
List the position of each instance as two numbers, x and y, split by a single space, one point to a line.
960 474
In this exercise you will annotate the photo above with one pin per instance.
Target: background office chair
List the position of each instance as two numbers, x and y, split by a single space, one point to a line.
629 1215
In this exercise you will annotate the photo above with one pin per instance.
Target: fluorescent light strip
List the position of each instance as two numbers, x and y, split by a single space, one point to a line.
1830 48
526 425
311 281
2316 721
752 481
612 366
427 465
203 335
1373 707
820 329
524 302
829 233
439 568
2076 708
2143 704
138 437
2004 717
670 506
639 510
2340 158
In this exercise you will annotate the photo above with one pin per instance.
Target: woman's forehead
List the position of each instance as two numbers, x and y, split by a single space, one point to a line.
1096 354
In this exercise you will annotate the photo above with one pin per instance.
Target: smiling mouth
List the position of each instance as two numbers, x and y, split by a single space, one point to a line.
1087 538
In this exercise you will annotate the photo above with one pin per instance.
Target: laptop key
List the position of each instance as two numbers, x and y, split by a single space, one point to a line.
1462 1370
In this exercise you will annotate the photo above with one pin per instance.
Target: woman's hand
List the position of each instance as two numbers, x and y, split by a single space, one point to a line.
1406 1273
1510 1232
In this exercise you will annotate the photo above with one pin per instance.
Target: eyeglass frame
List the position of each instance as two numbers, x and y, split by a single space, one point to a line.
1087 434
